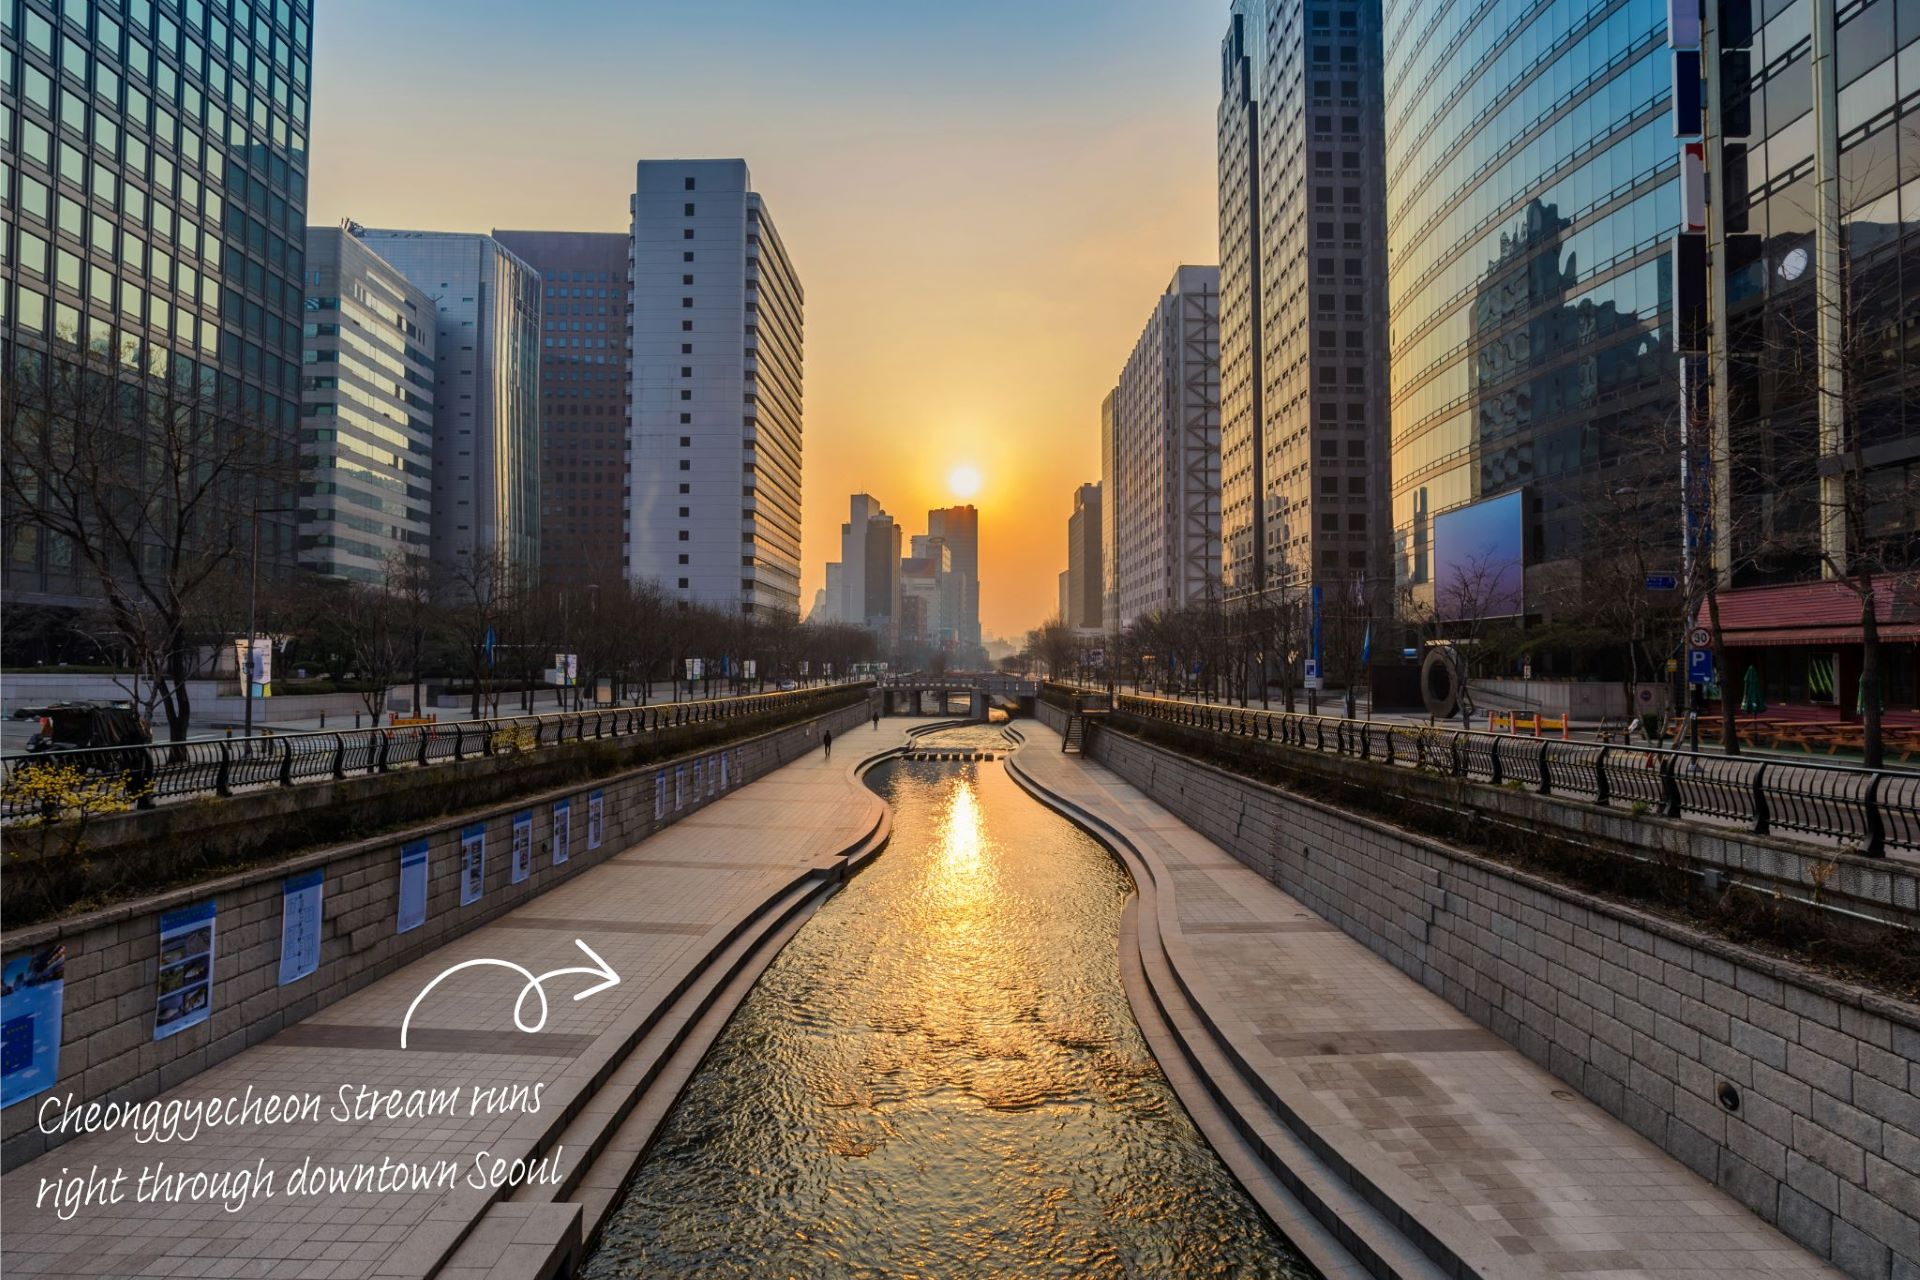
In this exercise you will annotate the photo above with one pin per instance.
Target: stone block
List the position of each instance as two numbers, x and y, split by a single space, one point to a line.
1805 1222
1816 1151
1821 1072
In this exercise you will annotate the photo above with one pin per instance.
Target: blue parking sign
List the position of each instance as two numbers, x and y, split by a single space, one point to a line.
1699 666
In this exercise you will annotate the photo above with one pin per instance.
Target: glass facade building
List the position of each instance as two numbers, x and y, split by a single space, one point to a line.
153 209
1771 276
366 440
486 393
583 400
1532 200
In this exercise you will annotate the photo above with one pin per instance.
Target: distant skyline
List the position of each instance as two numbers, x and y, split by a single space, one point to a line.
981 201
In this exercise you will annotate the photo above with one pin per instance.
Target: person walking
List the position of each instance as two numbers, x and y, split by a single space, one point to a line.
876 717
826 740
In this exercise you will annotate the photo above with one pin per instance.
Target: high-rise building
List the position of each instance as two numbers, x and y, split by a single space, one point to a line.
718 345
156 213
486 393
1160 456
959 528
1303 338
583 400
1082 602
1531 205
366 454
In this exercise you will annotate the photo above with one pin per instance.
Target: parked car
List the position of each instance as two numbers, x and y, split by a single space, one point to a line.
788 686
65 725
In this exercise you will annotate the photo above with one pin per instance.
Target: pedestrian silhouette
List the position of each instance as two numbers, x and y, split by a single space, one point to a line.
826 740
876 717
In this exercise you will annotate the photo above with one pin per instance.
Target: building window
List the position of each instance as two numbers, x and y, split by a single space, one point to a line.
683 535
689 184
686 465
687 210
686 442
685 419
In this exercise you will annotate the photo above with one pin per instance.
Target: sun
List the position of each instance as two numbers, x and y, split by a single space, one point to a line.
964 480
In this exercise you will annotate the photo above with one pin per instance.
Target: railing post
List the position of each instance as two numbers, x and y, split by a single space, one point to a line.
286 762
386 741
1669 785
426 740
1601 791
1761 817
339 756
1366 743
1493 754
1546 777
460 742
1459 756
1876 826
223 778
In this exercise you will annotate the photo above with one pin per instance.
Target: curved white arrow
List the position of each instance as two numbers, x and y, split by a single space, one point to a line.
601 969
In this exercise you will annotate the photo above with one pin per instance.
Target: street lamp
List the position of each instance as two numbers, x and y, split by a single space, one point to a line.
253 600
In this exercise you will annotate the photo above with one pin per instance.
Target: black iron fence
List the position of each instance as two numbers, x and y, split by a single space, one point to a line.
165 771
1867 810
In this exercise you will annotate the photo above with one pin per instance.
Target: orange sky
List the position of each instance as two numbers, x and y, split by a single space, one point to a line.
982 205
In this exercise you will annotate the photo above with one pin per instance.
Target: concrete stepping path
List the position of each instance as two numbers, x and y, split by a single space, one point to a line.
1420 1140
679 916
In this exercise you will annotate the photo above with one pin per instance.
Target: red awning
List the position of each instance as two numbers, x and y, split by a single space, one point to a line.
1776 637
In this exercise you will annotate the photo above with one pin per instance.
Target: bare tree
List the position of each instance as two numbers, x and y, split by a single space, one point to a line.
152 483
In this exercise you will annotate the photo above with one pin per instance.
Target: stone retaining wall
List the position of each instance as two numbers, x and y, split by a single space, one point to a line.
1820 1133
108 1051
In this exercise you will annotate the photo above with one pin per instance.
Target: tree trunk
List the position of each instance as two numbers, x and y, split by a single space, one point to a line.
1872 749
1729 727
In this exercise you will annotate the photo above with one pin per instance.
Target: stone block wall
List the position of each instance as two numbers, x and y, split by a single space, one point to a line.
1794 1093
108 1051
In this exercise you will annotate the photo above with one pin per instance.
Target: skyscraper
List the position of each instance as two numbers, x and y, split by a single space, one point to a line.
718 344
1531 208
157 216
1160 456
366 457
486 434
1303 346
1083 598
583 400
959 528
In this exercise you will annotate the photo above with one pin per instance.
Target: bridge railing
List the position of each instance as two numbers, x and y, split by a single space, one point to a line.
197 767
1869 810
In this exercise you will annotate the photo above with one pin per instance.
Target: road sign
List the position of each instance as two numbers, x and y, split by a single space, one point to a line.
1700 638
1313 673
1699 666
1662 582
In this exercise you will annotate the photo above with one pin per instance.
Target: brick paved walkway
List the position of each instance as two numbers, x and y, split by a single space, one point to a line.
656 912
1514 1173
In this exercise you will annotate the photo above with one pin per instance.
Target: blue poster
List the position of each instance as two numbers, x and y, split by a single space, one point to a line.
723 771
679 788
520 859
413 886
32 990
300 925
473 863
184 995
659 796
562 830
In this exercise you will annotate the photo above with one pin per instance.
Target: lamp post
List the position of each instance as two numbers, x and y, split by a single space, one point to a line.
253 600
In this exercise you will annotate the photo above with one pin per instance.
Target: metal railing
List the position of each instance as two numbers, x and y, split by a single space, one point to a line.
197 767
1867 810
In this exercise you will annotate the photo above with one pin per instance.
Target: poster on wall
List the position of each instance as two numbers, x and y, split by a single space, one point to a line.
679 788
300 902
473 862
562 830
521 861
723 771
659 796
32 991
596 816
713 776
184 992
696 780
413 886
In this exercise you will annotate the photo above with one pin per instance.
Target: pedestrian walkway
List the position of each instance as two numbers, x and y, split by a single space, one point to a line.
1464 1138
659 913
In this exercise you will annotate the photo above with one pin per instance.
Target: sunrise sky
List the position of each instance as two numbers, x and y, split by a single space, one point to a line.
983 200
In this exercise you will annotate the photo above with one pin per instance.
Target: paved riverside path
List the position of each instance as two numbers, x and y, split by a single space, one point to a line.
1522 1176
652 911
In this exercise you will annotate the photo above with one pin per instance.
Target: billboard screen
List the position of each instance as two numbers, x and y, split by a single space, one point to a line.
1479 553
